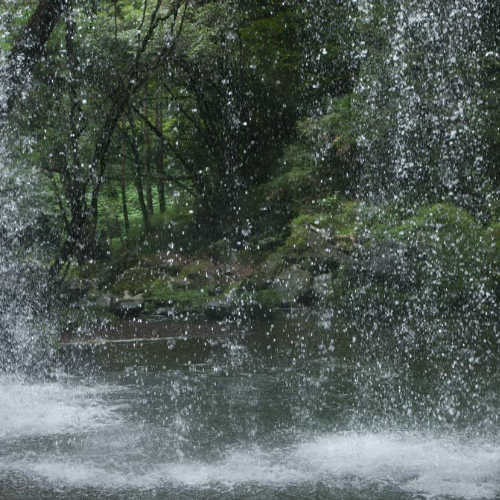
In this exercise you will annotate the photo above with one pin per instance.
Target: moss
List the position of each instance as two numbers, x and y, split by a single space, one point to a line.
169 262
268 299
300 231
135 280
162 293
345 218
436 260
160 290
321 240
198 271
273 263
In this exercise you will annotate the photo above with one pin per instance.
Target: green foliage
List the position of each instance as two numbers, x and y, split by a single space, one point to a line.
433 263
251 126
319 241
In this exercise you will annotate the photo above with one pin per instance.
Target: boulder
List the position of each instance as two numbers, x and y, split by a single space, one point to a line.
128 305
293 285
219 309
322 285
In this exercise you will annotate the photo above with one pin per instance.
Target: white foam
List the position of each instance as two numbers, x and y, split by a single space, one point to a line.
413 463
43 409
416 463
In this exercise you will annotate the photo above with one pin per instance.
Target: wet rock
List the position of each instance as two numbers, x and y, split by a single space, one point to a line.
165 311
128 306
293 285
78 288
103 301
320 242
322 285
219 309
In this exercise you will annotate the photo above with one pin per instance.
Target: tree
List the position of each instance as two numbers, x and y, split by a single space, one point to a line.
73 140
233 87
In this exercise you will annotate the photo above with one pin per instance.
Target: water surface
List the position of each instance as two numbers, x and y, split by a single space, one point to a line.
228 418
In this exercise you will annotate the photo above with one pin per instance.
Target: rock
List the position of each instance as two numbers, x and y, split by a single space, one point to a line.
165 311
104 301
293 285
128 305
219 309
322 285
127 308
78 288
268 299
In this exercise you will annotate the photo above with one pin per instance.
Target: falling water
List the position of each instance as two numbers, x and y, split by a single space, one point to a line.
422 283
421 135
24 331
406 407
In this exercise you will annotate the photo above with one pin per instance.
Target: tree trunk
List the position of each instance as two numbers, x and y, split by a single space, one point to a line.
142 201
123 182
138 182
147 163
29 47
159 161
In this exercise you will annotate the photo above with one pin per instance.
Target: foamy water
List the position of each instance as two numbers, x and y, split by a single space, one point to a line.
109 451
113 454
412 463
43 409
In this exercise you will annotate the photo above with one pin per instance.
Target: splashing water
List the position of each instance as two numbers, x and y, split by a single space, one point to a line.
24 331
188 433
412 414
421 283
421 94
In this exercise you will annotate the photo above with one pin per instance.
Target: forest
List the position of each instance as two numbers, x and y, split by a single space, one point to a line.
249 249
193 153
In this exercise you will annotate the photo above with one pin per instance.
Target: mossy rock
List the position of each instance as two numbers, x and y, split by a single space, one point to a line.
438 261
168 262
293 286
273 264
135 280
191 301
199 271
449 246
321 241
268 299
257 281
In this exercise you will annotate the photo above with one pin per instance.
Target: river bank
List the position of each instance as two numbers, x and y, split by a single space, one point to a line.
323 260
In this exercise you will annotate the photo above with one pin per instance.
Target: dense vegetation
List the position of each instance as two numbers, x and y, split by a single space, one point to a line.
197 130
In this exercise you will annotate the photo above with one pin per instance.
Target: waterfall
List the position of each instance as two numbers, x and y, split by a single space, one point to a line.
422 281
24 329
422 111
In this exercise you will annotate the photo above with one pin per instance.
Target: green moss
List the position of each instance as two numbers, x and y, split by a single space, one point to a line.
439 259
162 293
268 299
198 271
321 240
160 290
135 280
300 231
273 263
345 218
